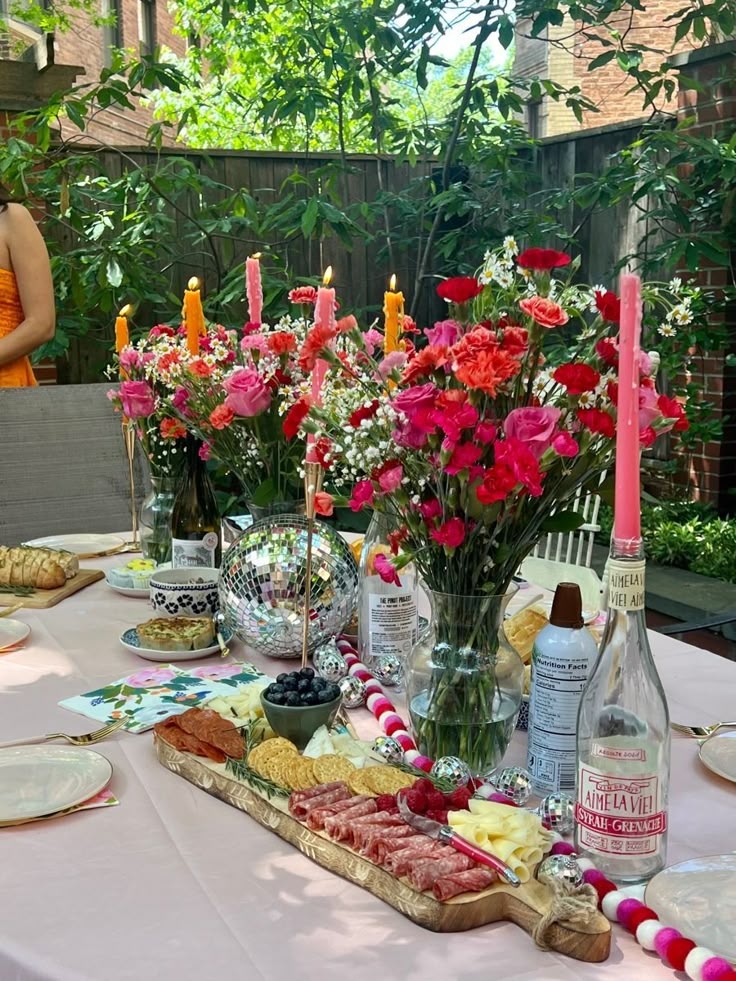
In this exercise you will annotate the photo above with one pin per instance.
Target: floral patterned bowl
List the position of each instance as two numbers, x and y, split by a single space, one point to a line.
185 592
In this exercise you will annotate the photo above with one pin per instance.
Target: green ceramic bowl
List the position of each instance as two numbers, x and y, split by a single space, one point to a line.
300 722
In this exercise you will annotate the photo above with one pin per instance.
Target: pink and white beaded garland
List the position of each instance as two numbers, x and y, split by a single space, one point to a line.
676 951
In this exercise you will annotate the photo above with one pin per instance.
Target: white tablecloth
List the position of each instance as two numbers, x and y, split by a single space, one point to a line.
174 885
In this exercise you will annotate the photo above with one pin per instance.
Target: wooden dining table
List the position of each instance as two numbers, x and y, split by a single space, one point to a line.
175 885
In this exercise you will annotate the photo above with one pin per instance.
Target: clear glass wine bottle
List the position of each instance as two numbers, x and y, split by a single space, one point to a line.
623 739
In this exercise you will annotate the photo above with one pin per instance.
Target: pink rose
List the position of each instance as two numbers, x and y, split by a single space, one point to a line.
411 400
390 480
138 399
247 393
444 333
532 426
564 445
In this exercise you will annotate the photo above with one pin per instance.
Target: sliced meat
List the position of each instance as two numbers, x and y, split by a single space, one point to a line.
318 815
369 822
228 741
426 871
189 720
211 752
337 826
402 861
328 794
381 848
370 841
363 833
472 880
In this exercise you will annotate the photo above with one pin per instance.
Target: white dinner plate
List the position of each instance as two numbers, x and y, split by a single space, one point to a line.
85 546
698 898
129 590
40 780
12 631
130 641
719 754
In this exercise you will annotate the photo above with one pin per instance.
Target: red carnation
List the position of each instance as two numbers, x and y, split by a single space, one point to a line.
459 289
609 306
515 340
598 421
672 409
281 342
425 362
364 412
316 340
577 378
543 259
607 350
295 417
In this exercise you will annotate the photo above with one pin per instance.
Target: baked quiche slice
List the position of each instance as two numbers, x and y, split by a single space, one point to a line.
177 633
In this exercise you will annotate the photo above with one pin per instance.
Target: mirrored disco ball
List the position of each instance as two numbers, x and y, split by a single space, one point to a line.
262 584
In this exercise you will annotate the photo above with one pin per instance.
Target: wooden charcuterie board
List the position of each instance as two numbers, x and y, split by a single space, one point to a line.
42 599
523 906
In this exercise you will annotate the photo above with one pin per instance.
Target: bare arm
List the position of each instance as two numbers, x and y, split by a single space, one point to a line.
30 263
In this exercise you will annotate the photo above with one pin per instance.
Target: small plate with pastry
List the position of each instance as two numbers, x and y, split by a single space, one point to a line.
133 578
83 546
174 638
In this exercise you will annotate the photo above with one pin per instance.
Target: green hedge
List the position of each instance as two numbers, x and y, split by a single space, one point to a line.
684 534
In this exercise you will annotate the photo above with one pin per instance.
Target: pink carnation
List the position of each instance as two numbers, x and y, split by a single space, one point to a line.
130 359
254 342
373 339
390 480
430 509
386 569
247 393
485 432
205 451
463 457
394 359
303 294
565 445
137 398
444 333
362 495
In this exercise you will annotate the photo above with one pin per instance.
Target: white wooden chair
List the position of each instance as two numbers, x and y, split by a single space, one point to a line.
567 556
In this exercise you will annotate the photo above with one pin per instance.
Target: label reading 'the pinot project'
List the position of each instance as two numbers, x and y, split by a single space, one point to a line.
200 552
392 623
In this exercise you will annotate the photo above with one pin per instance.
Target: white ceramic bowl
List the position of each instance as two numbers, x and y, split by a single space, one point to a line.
185 592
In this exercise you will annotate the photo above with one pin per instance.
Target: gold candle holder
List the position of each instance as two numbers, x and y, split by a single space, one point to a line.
129 440
313 474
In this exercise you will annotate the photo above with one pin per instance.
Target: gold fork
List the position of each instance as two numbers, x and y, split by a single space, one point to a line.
84 740
700 732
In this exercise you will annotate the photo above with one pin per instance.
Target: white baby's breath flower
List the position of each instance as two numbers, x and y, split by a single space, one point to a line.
675 284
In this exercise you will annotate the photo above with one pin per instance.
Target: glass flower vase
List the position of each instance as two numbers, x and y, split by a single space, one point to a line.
464 681
259 511
155 520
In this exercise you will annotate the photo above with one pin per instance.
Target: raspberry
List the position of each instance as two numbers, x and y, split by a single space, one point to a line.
440 816
459 798
424 785
385 802
416 800
435 800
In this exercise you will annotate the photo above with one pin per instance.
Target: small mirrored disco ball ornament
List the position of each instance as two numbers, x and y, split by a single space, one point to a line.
389 749
332 667
557 811
330 648
263 585
389 670
560 868
515 783
452 769
353 691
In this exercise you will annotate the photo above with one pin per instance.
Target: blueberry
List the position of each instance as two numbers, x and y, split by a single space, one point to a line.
333 690
281 678
292 699
323 697
295 674
318 684
290 684
277 689
303 685
277 699
307 673
309 698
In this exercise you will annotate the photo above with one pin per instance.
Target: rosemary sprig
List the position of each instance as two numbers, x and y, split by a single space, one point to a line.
18 590
446 786
252 735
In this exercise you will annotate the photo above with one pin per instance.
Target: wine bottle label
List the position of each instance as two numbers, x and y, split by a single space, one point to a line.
626 589
392 623
186 553
619 814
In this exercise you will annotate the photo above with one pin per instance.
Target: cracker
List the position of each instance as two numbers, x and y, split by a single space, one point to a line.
331 767
303 776
387 779
269 748
270 768
357 783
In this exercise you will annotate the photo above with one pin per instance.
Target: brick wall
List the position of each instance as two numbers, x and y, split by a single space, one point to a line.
84 44
712 468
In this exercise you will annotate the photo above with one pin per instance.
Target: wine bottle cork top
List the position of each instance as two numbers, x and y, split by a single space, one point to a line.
567 606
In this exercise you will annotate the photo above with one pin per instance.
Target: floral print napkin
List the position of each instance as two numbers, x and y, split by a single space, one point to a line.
152 694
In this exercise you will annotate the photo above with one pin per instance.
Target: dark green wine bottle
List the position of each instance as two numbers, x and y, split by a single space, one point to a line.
195 521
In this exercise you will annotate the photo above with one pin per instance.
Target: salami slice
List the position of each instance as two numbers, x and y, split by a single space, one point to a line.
318 815
337 826
426 871
301 809
301 798
362 834
382 847
375 835
353 823
402 861
185 742
472 880
229 741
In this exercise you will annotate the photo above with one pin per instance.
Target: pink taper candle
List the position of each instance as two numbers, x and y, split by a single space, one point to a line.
324 316
627 518
253 288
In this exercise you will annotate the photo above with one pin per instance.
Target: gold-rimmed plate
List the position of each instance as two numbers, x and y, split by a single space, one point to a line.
38 781
82 545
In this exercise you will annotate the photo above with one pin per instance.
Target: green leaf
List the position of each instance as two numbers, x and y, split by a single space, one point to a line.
563 521
114 272
506 32
309 217
601 60
264 493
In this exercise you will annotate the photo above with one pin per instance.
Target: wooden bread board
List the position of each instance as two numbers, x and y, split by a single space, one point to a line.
42 599
524 905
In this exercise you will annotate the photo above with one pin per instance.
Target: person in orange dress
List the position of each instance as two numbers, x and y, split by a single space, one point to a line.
27 317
